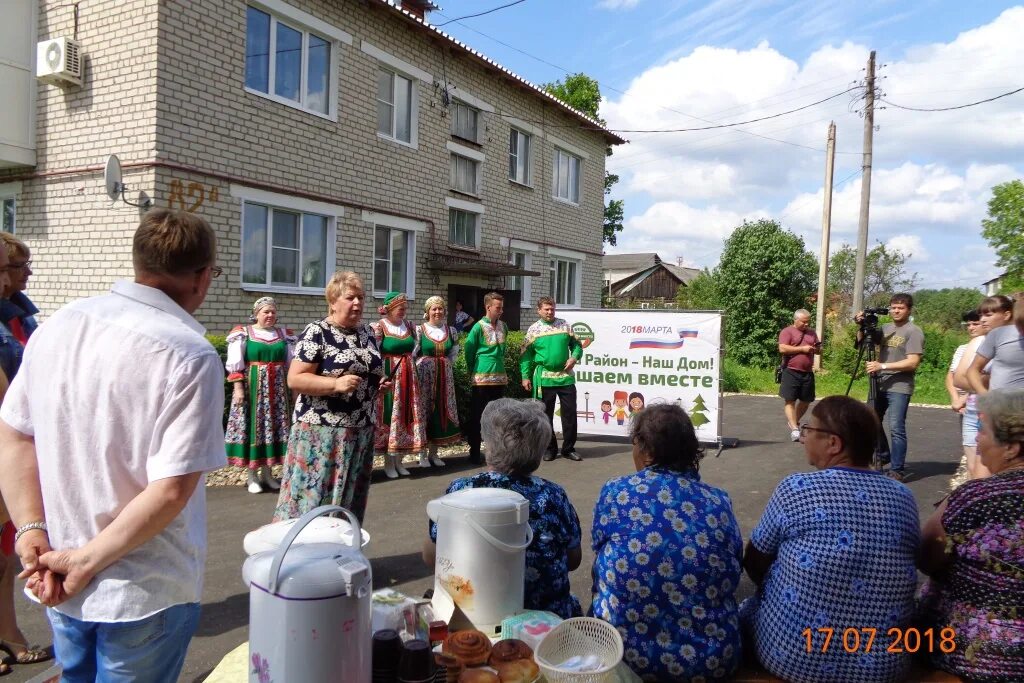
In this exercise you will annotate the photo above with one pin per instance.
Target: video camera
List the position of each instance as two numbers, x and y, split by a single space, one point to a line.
869 324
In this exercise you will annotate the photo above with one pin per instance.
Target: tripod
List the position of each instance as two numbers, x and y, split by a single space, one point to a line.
866 352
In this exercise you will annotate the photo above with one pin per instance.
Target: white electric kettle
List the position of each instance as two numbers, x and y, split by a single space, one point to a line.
480 566
309 609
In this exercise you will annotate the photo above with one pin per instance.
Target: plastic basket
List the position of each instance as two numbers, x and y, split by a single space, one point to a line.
579 636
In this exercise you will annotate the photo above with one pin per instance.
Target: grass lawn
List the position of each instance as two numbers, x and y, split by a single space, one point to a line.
929 387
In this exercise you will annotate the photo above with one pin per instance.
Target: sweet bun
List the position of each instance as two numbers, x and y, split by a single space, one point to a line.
509 650
518 671
478 676
471 647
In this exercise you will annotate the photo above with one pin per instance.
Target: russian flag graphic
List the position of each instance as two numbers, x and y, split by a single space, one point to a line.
687 334
655 344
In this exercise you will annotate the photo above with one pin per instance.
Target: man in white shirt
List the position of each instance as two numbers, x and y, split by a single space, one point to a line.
109 427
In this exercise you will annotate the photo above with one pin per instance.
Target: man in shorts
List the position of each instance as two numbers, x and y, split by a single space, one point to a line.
798 343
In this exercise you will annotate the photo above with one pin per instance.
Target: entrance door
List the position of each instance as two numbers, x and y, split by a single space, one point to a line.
472 299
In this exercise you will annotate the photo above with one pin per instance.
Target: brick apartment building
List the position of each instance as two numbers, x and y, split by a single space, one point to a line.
315 135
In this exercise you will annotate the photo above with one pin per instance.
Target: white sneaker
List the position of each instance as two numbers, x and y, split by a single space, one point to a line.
795 435
436 461
424 460
254 482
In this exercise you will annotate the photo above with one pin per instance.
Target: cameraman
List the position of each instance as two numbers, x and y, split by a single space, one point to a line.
798 343
900 349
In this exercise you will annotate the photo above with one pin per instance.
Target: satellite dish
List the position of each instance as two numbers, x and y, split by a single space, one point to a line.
112 177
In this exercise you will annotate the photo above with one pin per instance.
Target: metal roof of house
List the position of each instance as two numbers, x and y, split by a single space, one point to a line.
591 123
641 266
634 262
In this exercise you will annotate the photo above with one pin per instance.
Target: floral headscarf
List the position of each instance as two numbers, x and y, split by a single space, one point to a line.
262 302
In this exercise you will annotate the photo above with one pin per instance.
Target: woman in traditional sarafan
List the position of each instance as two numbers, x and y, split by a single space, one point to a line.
401 427
260 413
437 348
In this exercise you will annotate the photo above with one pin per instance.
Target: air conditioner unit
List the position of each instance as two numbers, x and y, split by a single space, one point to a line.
59 62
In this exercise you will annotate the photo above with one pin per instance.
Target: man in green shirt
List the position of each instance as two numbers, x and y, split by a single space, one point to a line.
550 352
485 362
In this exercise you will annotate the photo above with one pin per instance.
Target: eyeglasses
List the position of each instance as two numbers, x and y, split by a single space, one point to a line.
804 428
215 271
17 266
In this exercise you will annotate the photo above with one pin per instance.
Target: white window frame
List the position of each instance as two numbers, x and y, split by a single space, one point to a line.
413 140
453 115
388 62
468 207
555 177
473 155
529 249
281 12
394 223
527 179
9 193
526 294
555 256
273 200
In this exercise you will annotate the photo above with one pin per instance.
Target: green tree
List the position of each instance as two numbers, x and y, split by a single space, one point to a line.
697 415
765 273
1004 230
583 93
700 294
944 307
885 273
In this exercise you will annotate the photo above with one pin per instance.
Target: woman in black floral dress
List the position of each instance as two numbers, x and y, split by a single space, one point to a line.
337 372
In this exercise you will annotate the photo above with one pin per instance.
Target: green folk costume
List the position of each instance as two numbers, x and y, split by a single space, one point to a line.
547 349
434 364
485 353
257 430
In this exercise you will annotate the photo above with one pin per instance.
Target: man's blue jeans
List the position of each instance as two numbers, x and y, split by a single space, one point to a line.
151 649
891 409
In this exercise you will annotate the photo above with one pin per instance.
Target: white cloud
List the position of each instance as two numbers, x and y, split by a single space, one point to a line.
617 4
910 246
932 172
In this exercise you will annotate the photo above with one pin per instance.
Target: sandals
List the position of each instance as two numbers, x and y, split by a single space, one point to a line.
26 654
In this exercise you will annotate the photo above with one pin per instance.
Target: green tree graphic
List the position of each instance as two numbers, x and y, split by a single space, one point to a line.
697 415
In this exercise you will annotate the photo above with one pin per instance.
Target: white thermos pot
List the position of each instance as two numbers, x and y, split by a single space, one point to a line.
309 609
482 536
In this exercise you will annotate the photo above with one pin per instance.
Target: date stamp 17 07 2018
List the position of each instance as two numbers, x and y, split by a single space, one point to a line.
894 640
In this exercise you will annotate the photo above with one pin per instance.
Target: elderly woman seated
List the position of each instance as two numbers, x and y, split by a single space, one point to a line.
515 435
667 557
834 559
972 547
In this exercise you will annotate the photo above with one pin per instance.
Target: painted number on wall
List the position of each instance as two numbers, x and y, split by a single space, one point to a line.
191 196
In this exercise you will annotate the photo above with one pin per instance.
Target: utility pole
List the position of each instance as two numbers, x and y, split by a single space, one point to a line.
865 186
826 227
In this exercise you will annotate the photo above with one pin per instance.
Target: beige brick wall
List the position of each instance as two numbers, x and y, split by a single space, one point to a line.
166 82
80 239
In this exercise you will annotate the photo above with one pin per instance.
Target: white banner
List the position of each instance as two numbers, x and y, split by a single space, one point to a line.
632 359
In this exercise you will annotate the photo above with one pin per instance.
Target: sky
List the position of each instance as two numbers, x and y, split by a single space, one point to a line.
669 64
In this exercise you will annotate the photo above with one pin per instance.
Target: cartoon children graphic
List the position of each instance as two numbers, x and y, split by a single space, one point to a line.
606 410
620 407
636 403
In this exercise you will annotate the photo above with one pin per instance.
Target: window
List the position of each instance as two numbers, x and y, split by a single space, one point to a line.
394 106
285 248
520 259
462 227
287 63
393 260
9 214
465 174
519 156
464 121
566 176
564 285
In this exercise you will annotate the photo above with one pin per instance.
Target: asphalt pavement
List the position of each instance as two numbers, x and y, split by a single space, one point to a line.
396 516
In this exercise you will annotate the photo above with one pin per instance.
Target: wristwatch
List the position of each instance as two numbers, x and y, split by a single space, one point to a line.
883 366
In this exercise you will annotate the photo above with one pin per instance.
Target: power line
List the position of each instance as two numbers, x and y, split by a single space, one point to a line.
480 14
960 106
700 128
676 111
